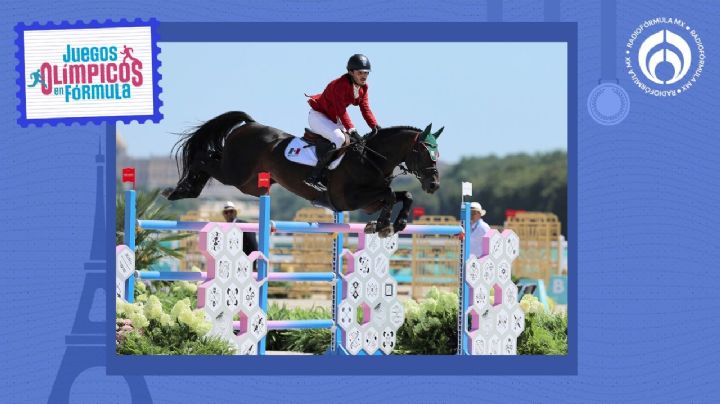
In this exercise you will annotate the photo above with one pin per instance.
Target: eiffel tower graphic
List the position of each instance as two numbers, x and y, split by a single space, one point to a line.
86 345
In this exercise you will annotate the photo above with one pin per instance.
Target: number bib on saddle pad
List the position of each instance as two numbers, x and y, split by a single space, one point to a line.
298 151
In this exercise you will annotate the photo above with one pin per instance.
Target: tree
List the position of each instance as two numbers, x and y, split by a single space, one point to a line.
150 245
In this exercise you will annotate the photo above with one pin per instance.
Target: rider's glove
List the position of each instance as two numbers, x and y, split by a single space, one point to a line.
354 135
376 129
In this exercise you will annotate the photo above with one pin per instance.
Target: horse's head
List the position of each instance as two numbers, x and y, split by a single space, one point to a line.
422 161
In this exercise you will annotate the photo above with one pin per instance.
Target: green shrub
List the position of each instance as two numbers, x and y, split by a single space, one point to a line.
158 339
545 333
163 322
145 328
431 326
168 292
315 341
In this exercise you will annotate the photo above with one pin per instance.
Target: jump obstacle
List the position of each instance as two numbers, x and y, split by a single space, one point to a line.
235 298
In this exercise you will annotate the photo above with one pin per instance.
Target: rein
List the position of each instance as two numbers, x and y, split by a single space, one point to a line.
362 148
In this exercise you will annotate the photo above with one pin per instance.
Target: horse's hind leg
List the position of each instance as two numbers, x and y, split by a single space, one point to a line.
201 169
188 187
213 166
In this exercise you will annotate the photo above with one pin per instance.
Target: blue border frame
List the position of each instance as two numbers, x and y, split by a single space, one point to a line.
20 29
375 365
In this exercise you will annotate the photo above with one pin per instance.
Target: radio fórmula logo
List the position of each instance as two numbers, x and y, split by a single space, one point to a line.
664 56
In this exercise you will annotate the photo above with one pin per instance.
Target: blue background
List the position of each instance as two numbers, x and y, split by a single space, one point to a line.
647 197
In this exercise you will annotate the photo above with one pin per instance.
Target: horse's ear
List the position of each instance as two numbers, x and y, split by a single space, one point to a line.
437 134
426 132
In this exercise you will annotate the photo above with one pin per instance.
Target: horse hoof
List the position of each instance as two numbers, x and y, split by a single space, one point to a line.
371 228
173 194
169 193
399 226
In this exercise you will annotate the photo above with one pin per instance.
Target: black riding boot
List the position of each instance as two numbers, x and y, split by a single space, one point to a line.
324 151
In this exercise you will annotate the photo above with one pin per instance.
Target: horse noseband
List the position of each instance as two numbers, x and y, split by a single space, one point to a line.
413 168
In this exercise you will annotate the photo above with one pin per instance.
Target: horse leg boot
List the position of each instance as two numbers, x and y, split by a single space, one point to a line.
401 219
324 151
382 226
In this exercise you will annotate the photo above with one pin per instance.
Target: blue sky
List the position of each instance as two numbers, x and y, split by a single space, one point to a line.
492 98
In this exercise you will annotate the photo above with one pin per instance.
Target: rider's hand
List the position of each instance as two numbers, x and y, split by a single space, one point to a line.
376 129
354 135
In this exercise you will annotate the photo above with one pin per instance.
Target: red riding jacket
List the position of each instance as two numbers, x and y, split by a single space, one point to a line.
337 96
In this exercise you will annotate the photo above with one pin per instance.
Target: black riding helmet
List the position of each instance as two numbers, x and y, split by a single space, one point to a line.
358 62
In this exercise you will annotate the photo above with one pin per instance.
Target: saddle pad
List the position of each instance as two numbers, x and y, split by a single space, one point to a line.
299 152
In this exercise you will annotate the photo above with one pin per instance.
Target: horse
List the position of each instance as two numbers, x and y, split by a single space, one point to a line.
233 148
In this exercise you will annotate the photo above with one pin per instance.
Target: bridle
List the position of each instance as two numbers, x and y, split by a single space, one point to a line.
408 168
416 171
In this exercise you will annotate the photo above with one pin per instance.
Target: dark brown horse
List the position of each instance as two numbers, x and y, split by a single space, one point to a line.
233 149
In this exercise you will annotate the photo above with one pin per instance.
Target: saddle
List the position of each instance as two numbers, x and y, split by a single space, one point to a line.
313 138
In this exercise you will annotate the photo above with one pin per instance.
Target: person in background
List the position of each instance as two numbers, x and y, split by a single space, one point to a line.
250 243
478 228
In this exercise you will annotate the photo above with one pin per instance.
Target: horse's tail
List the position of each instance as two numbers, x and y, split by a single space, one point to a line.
207 139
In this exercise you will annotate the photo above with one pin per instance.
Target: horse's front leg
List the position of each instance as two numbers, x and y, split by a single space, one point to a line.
401 220
386 197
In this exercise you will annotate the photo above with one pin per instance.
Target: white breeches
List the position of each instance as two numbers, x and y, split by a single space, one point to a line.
326 128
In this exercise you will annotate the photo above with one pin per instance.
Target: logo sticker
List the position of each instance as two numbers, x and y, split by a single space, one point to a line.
664 56
95 72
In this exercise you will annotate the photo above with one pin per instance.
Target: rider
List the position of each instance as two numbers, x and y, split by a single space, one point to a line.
328 115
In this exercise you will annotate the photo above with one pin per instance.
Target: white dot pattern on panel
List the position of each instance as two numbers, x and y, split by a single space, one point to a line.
371 292
124 268
497 320
230 294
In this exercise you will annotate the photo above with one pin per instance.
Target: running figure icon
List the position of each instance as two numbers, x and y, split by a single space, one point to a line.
128 54
37 79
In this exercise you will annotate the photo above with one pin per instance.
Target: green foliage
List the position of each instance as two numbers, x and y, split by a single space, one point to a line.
146 328
519 181
158 339
150 246
315 341
164 323
431 326
545 334
168 292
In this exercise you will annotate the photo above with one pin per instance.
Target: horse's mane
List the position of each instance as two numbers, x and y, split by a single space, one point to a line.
371 140
404 127
394 128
